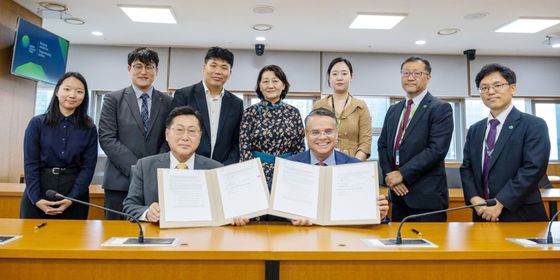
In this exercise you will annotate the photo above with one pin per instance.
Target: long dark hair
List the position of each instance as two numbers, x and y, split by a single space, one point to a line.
53 112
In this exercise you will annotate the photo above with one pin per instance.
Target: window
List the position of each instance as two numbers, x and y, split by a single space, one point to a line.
550 112
43 97
475 110
377 106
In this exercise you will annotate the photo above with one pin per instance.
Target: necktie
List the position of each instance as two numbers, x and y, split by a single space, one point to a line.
488 149
144 112
181 165
321 163
403 125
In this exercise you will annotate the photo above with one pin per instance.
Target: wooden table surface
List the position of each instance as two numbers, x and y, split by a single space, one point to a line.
10 197
464 250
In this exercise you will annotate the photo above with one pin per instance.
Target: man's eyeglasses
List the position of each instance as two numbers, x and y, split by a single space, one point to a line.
415 74
179 131
495 87
327 132
140 67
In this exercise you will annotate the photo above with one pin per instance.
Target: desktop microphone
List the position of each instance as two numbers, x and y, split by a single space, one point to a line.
549 239
53 195
489 202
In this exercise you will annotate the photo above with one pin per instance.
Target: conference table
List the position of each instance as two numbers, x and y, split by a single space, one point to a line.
66 249
10 198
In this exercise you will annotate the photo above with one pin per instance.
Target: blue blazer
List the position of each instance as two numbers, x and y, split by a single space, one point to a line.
422 154
226 149
519 161
340 158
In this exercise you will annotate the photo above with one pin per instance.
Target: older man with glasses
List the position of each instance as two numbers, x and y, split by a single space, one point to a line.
182 133
414 141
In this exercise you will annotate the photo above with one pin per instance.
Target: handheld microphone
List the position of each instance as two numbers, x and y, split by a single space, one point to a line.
52 195
489 202
549 239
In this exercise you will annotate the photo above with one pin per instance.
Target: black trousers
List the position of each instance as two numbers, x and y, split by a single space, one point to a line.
114 200
400 210
61 183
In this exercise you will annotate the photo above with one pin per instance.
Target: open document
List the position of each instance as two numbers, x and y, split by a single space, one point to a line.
331 195
190 198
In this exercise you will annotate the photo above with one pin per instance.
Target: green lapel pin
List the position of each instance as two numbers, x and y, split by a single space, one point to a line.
510 127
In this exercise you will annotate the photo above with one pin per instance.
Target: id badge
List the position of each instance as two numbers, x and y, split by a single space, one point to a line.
397 158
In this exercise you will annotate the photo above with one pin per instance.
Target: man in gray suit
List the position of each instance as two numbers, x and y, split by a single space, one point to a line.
182 133
131 126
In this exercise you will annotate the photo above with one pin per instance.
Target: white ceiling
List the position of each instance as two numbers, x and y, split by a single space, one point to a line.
314 25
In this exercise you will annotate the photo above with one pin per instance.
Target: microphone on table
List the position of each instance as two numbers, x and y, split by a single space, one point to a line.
53 195
398 241
549 239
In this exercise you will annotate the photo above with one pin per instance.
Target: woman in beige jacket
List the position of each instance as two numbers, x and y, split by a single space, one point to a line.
352 114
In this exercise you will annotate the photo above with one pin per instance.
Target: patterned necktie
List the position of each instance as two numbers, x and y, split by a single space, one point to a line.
181 165
488 149
403 125
144 113
321 163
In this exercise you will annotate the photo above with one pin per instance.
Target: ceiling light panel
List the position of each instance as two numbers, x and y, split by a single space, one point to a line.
528 25
149 14
376 21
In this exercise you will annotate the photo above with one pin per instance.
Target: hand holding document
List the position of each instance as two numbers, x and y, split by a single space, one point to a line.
190 198
333 195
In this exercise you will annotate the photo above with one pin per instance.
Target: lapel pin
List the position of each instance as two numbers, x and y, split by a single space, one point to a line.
425 106
510 127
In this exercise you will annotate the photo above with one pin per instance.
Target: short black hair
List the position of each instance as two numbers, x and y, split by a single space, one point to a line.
83 121
323 112
279 74
488 69
183 111
427 65
144 55
219 53
335 61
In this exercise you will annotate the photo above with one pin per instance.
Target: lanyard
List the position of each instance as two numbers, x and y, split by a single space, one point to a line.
334 110
403 125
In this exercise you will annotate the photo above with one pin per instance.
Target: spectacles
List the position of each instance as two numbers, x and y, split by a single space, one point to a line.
495 87
140 67
327 132
179 131
415 74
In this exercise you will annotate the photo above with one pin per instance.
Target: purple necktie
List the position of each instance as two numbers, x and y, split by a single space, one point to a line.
321 163
488 149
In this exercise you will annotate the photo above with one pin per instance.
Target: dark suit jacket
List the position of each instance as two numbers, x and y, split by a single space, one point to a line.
422 153
226 149
144 185
121 134
519 161
340 158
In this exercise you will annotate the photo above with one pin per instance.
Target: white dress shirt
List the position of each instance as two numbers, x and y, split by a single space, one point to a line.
214 104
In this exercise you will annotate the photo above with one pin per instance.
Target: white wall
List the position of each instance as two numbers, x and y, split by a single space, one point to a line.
105 68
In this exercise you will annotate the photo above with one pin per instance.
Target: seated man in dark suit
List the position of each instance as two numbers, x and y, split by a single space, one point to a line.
321 135
505 155
182 133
